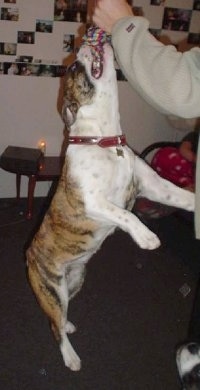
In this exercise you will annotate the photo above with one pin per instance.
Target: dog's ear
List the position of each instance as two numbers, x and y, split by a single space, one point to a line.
69 111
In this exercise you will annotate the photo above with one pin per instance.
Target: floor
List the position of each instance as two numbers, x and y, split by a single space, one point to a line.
132 311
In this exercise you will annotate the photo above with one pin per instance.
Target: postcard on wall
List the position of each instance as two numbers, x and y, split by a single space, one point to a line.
44 26
176 19
26 37
196 5
7 48
11 14
70 10
10 1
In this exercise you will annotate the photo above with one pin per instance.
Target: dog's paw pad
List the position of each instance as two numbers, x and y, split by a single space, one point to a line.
70 328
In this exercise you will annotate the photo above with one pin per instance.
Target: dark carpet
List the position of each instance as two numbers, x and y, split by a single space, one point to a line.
132 311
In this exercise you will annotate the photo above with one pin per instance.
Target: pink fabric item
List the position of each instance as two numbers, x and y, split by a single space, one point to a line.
171 165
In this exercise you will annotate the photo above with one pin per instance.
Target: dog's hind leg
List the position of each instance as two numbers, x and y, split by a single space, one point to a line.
75 275
53 298
154 187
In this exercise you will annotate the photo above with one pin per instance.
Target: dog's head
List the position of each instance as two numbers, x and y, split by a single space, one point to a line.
87 79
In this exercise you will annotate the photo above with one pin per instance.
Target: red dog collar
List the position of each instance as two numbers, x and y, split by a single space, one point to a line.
103 142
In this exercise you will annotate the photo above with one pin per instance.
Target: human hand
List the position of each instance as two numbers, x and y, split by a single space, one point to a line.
108 12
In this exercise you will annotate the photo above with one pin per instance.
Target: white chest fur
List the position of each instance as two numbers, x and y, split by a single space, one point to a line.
101 172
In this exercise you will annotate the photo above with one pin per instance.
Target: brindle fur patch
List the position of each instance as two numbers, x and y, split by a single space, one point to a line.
65 234
81 91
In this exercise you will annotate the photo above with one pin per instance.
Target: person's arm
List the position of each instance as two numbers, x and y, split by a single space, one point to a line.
167 79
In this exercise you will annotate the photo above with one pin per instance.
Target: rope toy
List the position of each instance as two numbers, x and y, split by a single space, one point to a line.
95 37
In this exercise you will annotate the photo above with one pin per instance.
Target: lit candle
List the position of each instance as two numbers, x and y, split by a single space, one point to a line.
42 146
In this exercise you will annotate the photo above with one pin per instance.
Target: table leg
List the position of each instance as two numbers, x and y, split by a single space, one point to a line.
18 185
31 188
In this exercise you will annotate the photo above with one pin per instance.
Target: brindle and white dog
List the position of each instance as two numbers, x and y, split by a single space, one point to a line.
98 187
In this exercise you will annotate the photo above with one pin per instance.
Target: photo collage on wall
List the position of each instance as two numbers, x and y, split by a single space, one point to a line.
173 17
67 11
31 45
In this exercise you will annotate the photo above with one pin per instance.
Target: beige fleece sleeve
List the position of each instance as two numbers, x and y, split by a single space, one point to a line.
167 79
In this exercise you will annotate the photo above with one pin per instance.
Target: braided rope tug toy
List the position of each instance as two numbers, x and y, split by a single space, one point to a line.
95 37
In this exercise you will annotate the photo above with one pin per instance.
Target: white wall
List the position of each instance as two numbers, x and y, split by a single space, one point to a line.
141 123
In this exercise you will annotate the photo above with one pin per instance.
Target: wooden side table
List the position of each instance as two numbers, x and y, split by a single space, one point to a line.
30 162
49 170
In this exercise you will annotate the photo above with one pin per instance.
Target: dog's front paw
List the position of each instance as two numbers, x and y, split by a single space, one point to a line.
146 239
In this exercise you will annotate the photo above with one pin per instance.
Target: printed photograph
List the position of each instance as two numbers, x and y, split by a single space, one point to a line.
27 37
11 69
11 14
9 49
196 5
27 59
176 19
44 26
60 70
1 48
10 1
47 70
157 2
138 11
70 10
194 39
29 69
68 43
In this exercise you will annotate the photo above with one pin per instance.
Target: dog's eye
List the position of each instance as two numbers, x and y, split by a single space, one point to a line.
73 67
